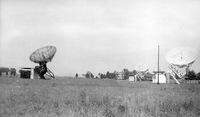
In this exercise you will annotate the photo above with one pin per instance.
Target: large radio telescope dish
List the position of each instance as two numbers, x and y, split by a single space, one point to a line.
181 56
44 54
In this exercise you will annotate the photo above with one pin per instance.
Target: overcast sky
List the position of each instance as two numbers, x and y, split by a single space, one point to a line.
97 35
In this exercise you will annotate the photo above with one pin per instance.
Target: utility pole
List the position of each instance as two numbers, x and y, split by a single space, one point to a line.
158 62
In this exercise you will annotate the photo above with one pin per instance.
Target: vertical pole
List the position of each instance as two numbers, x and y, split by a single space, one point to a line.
158 62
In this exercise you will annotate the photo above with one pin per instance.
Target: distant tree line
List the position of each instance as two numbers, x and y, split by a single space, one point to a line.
126 73
6 70
110 75
113 75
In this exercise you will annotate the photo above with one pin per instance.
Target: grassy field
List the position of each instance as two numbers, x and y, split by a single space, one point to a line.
70 97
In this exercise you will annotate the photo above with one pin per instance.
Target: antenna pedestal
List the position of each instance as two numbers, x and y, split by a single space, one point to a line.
43 56
42 73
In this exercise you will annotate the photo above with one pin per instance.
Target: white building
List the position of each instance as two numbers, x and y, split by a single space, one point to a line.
163 78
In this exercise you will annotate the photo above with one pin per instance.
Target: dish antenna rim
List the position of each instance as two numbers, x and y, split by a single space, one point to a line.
181 56
142 67
43 54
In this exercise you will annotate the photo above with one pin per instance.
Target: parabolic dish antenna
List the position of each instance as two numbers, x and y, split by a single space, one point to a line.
44 54
142 67
181 56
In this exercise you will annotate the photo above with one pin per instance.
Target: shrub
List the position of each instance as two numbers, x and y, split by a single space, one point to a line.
198 76
191 75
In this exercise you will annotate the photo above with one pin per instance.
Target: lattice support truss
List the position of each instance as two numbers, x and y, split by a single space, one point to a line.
174 72
50 73
140 74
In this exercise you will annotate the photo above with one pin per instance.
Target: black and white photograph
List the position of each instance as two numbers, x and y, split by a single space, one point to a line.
99 58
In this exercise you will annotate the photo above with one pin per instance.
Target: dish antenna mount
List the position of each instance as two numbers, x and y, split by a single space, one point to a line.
42 56
142 70
181 57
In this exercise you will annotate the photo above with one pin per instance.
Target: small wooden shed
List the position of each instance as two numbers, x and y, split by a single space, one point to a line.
132 76
28 73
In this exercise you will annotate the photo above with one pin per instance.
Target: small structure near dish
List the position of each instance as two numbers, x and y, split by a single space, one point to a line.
180 57
28 73
132 76
163 78
42 56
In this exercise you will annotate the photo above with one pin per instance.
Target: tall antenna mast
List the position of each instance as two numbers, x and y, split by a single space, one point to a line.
158 62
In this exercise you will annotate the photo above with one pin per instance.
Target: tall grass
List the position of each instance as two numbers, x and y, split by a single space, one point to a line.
97 98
